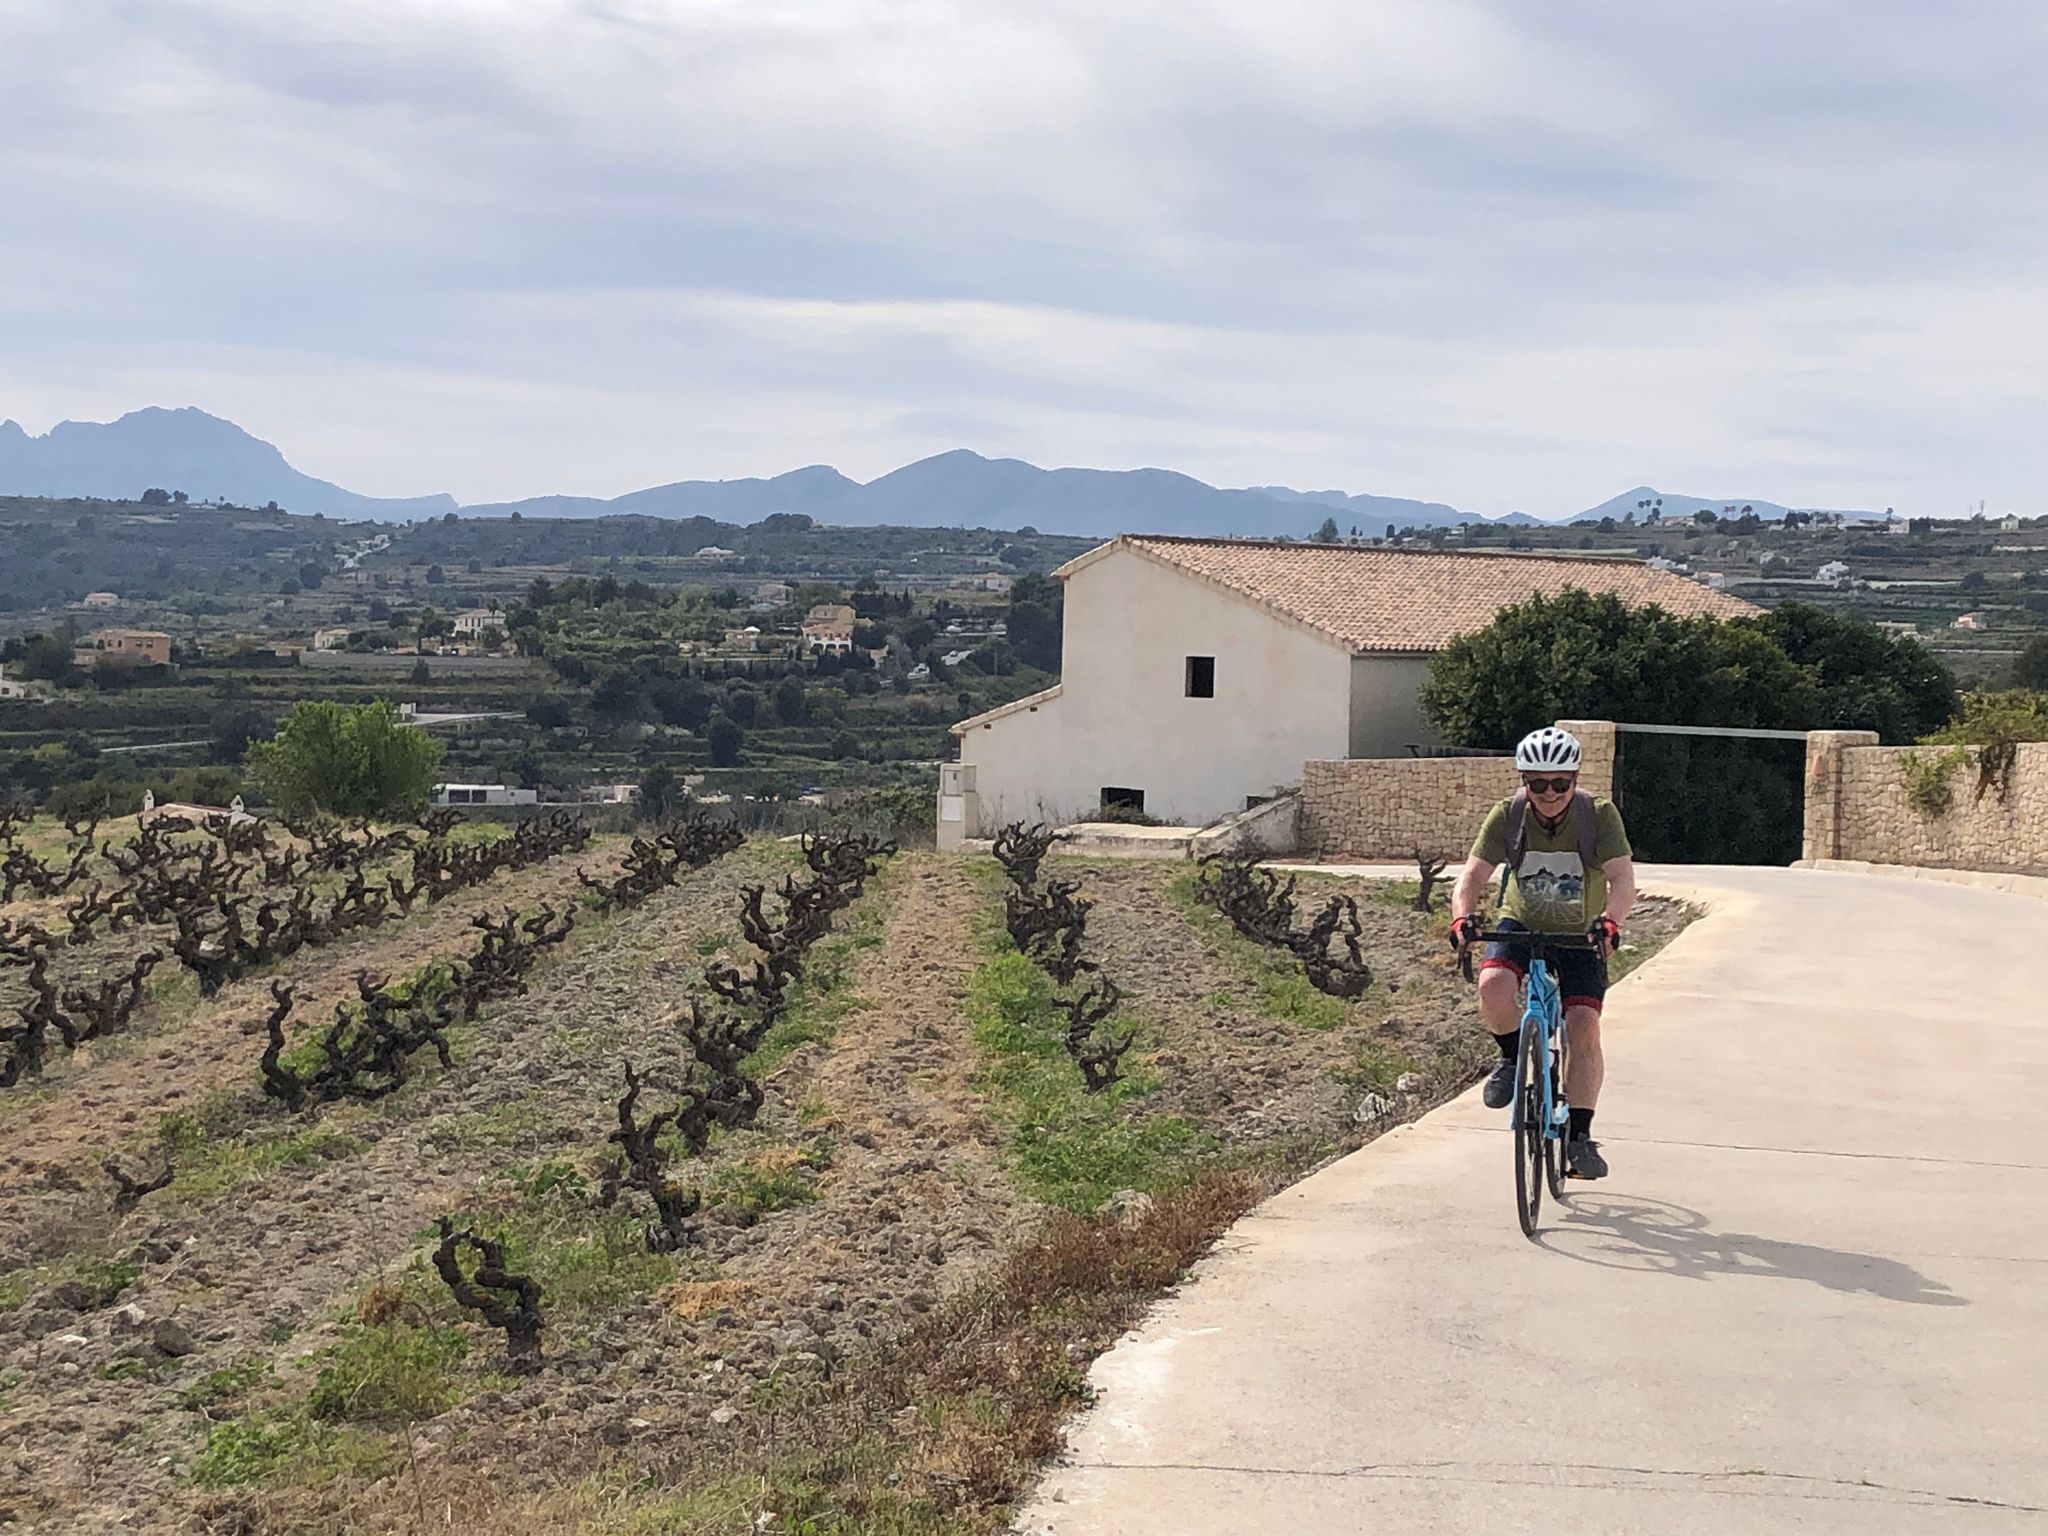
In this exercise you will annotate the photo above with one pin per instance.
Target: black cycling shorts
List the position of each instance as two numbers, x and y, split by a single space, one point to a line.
1581 974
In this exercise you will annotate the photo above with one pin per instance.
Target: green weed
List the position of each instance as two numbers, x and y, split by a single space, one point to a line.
229 1384
392 1373
509 1124
1072 1148
104 1280
1377 1069
287 1445
773 1179
207 1168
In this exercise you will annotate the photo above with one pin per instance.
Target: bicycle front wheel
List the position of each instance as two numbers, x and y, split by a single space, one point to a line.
1528 1132
1553 1146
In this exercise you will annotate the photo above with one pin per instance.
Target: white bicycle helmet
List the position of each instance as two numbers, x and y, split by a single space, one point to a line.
1548 748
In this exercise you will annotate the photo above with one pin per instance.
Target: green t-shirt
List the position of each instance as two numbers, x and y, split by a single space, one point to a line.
1555 893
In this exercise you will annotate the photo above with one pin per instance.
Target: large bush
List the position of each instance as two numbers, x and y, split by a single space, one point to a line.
1986 719
346 760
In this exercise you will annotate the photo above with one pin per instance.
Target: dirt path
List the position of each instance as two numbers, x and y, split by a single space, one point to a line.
917 1183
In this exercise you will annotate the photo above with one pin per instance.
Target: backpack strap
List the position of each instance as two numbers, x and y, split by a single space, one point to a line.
1518 815
1589 830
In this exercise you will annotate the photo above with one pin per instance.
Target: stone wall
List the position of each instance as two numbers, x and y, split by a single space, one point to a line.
1856 808
1391 807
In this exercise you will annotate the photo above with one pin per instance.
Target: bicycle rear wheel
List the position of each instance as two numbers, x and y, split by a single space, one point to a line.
1528 1134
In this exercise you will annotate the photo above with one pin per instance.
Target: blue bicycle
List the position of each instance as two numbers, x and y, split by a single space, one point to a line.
1540 1117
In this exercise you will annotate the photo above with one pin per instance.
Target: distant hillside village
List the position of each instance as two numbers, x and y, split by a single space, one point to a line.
788 659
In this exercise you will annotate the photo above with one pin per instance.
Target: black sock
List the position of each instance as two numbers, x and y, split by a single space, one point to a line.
1582 1123
1508 1044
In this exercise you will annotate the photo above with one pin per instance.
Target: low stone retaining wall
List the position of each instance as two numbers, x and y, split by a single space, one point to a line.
1394 807
437 666
1857 807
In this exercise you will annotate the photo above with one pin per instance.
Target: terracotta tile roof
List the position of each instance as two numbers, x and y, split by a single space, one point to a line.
1376 599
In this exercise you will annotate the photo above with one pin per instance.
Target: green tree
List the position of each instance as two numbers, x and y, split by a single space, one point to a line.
743 704
1327 534
725 742
1037 607
1582 656
1869 678
549 711
311 574
619 699
2031 669
995 657
661 792
45 657
346 760
791 707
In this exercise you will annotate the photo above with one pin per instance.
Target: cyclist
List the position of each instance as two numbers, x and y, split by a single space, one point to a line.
1570 870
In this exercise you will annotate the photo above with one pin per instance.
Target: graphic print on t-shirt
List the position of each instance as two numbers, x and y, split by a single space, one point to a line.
1553 891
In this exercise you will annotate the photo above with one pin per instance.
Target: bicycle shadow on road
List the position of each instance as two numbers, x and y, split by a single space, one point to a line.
1655 1236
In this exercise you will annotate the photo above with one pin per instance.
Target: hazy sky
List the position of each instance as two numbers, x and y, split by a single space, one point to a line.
1504 253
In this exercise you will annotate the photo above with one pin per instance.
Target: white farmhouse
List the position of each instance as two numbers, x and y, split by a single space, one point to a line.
1198 673
1834 571
471 623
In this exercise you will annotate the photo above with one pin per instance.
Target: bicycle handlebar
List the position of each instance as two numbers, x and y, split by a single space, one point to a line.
1533 941
1530 940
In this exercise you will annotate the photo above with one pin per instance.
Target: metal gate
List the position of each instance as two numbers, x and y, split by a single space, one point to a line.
1711 794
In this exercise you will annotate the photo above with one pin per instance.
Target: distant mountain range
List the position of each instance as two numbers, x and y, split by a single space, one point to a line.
211 459
185 450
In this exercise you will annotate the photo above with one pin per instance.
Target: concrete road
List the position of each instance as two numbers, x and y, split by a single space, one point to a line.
1812 1297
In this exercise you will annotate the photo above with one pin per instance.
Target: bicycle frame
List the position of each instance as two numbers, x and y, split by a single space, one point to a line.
1543 1011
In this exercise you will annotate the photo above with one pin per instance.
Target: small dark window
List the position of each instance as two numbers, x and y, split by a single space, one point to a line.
1201 677
1126 799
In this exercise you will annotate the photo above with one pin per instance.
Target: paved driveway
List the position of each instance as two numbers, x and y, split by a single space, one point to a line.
1812 1297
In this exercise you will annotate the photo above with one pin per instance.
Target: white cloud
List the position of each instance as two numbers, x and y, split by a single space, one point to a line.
1504 254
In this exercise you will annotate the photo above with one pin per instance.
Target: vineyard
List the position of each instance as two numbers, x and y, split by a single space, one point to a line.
423 1179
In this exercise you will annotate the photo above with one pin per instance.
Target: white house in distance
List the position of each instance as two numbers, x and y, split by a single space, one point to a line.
829 628
1834 572
471 623
1200 673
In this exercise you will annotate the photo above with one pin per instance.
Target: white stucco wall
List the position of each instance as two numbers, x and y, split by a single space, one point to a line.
1122 718
1384 714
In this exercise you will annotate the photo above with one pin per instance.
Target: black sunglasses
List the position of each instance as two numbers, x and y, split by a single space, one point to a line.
1550 786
